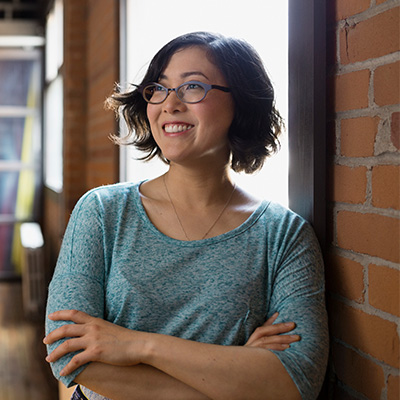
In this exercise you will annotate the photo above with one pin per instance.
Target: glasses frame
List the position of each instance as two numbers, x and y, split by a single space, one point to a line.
167 91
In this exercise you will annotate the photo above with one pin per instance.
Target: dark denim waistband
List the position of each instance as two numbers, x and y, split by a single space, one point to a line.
78 395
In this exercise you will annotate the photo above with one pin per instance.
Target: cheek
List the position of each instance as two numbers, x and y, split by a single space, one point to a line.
152 112
223 117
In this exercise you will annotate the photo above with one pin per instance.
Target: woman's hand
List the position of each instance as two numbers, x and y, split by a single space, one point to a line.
97 339
269 336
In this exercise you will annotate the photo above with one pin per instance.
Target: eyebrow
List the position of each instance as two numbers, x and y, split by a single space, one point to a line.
185 75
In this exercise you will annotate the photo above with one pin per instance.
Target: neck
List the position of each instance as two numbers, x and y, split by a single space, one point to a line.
199 188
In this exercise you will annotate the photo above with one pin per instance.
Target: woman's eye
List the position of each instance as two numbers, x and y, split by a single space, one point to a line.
158 88
193 86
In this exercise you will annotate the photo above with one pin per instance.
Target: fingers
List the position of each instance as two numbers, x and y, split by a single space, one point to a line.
272 336
74 331
279 342
271 320
271 330
68 346
68 330
65 331
87 353
76 362
79 317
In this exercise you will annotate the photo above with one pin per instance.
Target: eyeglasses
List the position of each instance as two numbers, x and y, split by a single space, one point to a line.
189 92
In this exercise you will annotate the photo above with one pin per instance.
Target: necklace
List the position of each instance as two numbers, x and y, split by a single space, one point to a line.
212 225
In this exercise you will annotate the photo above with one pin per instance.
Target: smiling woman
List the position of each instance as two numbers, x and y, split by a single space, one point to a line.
208 119
178 286
264 24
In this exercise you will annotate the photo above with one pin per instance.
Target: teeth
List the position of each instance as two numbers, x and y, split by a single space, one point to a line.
176 128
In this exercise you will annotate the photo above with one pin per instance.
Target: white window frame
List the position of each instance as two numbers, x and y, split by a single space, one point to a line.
53 99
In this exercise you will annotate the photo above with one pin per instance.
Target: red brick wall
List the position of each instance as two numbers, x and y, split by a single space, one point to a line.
102 74
75 103
90 70
362 269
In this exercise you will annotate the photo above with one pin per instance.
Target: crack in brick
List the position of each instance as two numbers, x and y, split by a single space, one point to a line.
347 26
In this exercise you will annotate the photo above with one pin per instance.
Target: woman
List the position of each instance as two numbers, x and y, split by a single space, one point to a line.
185 283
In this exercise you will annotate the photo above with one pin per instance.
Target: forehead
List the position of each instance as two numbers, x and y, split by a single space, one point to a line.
192 61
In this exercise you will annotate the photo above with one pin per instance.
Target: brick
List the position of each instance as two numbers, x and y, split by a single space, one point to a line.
371 38
371 334
395 129
358 136
371 234
385 186
349 184
345 277
393 392
358 372
383 289
379 1
351 90
346 8
386 84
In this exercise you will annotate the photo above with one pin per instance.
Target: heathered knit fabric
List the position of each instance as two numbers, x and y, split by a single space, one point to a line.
116 265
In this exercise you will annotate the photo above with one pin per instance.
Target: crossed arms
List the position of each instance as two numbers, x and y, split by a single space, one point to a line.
139 365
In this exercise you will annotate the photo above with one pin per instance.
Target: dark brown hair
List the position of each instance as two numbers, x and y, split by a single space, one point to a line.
256 125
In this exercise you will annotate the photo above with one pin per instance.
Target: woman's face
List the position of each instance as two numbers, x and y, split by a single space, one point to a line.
192 133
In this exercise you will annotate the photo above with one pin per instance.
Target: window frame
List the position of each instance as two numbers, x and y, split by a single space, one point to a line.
53 133
307 112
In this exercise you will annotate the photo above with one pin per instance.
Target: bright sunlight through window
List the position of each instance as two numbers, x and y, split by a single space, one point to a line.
264 24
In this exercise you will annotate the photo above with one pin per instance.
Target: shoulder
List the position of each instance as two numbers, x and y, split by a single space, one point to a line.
111 191
108 195
282 218
283 226
106 203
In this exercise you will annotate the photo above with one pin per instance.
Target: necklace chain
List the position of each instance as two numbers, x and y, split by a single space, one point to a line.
179 220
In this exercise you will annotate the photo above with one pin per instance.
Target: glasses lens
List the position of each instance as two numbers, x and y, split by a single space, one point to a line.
191 92
154 93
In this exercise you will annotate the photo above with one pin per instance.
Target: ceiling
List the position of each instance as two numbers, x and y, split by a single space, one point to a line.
22 17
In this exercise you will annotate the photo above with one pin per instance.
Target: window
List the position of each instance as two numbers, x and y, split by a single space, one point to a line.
20 149
306 70
53 104
263 24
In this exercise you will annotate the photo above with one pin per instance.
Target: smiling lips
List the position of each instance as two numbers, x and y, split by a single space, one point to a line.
177 128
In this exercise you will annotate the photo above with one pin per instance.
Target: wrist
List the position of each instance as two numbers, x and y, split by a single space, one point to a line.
147 347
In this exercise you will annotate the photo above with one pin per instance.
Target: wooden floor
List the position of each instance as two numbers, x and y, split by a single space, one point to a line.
24 375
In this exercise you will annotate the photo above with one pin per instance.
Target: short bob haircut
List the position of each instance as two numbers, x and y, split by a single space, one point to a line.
253 134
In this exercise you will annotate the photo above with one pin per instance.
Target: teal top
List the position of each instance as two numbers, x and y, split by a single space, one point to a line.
115 264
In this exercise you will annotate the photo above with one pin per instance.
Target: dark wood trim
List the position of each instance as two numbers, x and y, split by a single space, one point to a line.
307 70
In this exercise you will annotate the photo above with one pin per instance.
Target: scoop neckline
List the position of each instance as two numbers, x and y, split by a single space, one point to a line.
250 221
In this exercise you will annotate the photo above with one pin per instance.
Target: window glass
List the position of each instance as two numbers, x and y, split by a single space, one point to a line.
54 135
264 24
20 150
8 191
14 89
53 104
54 41
11 137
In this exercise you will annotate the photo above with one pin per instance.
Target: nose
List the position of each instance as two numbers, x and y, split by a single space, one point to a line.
172 103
